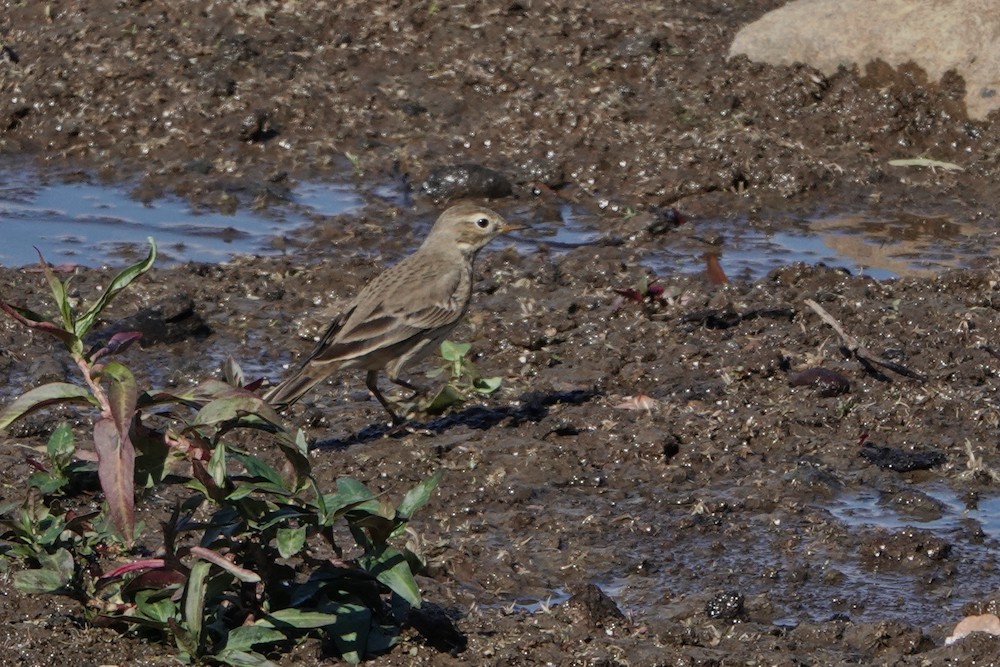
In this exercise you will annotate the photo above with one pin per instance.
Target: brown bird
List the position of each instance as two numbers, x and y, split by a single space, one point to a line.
404 312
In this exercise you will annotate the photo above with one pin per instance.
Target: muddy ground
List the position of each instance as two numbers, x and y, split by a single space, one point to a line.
712 517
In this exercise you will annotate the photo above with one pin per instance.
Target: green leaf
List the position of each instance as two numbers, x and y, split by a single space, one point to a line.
244 659
350 635
44 396
217 465
418 496
116 472
297 618
486 385
444 399
246 637
152 605
229 408
258 468
194 599
60 447
291 541
451 351
58 293
232 373
54 574
120 282
391 568
351 494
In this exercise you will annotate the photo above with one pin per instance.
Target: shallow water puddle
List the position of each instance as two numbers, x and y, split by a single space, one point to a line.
823 561
878 245
93 224
942 513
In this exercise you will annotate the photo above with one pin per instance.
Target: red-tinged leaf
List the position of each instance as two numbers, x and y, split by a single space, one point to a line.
33 320
115 469
216 558
158 579
255 385
200 474
144 564
630 294
44 396
122 395
122 341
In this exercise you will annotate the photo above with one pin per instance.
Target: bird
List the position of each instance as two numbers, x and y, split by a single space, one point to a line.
404 312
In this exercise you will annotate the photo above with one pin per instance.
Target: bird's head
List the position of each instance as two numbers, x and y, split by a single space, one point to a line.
469 227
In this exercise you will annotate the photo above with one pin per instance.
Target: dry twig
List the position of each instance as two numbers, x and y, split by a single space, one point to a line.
855 349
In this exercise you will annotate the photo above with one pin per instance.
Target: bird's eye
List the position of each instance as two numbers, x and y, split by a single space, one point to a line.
483 223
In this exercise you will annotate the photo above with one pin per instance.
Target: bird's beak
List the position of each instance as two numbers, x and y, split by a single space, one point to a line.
509 227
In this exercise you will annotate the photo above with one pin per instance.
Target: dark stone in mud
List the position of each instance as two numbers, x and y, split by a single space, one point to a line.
172 320
900 460
665 220
595 605
725 318
466 180
907 549
828 383
726 606
714 318
256 127
8 55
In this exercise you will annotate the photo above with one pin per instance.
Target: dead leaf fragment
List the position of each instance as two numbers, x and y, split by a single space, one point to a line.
638 402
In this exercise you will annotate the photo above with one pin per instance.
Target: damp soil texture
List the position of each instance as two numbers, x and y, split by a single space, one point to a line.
794 469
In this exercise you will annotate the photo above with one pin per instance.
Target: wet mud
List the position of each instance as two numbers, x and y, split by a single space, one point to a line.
679 468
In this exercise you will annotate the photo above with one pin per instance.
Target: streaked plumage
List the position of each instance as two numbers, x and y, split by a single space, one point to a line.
404 312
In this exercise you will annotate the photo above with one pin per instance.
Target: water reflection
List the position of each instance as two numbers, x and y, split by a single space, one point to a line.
91 223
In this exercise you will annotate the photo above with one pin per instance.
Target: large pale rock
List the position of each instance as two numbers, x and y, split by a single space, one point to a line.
937 35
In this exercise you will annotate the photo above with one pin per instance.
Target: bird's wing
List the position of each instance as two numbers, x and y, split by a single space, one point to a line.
381 321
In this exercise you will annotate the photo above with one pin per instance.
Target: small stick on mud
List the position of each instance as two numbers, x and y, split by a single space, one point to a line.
855 349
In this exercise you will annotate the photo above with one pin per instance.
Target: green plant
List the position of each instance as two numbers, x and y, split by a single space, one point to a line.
110 386
463 378
254 556
52 476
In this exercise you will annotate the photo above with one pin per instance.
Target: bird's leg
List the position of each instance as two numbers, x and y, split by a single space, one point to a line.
415 388
371 380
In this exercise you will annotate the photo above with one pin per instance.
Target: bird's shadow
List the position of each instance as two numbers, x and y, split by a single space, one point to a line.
532 407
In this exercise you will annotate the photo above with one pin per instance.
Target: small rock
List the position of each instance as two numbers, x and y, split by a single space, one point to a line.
596 606
726 606
826 382
988 623
828 34
901 460
466 180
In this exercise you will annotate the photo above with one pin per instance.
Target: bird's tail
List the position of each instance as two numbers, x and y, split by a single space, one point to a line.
292 388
